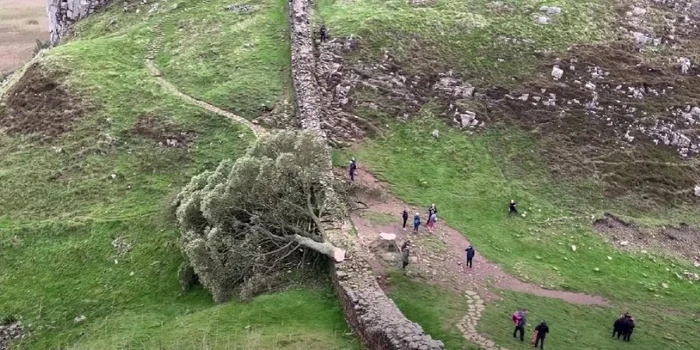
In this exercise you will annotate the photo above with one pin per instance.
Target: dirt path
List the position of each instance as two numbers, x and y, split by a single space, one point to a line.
438 257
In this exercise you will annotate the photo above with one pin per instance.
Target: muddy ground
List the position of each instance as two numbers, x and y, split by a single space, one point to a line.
40 105
162 132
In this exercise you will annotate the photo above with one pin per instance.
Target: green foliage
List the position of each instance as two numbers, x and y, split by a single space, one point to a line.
237 221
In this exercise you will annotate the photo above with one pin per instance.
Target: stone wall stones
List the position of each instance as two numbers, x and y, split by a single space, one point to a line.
64 13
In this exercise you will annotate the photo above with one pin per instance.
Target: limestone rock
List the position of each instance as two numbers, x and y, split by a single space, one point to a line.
557 72
697 191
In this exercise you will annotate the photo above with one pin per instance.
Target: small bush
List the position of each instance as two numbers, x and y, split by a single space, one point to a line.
32 22
8 320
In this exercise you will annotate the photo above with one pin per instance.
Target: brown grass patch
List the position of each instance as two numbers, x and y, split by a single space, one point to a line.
40 105
162 132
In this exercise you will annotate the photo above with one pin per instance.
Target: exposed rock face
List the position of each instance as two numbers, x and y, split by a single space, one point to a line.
63 13
8 333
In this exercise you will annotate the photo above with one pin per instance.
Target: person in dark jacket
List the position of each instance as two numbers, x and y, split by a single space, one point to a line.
432 210
470 255
511 208
404 216
617 327
323 33
352 169
520 324
542 329
416 223
405 253
627 328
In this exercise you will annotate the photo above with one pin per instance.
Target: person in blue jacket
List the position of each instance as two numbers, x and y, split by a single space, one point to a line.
416 222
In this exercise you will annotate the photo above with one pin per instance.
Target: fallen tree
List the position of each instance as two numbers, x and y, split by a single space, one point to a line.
258 215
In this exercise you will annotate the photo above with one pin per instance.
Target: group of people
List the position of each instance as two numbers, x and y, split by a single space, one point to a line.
623 326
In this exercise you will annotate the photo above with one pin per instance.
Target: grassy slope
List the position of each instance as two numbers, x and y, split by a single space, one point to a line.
55 235
473 177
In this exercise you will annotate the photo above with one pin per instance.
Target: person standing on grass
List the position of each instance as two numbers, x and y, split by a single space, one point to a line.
416 222
470 255
352 169
405 253
512 209
542 329
404 216
617 326
520 323
627 328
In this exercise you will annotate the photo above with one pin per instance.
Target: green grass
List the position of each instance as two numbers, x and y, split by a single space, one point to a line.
465 36
61 210
437 311
578 327
470 182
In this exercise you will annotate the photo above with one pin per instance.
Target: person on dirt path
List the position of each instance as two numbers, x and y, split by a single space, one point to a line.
404 216
520 323
470 255
352 168
416 222
512 209
541 332
432 210
405 253
323 33
432 221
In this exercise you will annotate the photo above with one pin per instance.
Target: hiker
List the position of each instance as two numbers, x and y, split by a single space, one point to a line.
405 252
352 169
323 33
520 320
404 216
511 208
432 210
619 325
470 255
542 329
432 220
416 222
627 328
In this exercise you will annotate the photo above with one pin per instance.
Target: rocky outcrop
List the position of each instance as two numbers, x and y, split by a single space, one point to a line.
8 333
370 313
64 13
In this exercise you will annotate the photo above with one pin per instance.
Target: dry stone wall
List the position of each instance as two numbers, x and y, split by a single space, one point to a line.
370 313
63 13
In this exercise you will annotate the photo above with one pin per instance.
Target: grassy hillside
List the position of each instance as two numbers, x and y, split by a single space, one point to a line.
94 150
564 165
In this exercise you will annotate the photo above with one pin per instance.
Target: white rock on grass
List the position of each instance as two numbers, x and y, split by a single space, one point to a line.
435 133
543 19
573 248
79 319
551 10
624 243
557 72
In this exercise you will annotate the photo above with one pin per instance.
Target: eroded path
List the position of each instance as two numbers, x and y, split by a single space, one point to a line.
438 257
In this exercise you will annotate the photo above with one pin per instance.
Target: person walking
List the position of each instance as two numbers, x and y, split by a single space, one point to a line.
620 325
470 255
416 222
542 329
520 323
432 210
323 33
352 168
431 222
404 216
405 253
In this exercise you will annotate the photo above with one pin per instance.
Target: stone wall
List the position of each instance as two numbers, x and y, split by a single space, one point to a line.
63 13
373 317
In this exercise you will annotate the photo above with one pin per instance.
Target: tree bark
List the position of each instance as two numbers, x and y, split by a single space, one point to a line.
325 248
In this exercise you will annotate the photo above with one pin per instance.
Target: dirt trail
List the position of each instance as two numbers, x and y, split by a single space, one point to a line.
438 257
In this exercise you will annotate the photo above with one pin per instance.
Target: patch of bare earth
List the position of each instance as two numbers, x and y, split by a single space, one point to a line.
162 132
681 241
40 105
437 257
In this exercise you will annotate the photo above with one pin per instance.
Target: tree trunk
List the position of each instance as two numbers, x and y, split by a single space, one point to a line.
325 248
